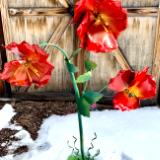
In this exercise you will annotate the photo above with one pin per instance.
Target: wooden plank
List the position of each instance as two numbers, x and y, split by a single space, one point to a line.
156 55
6 24
142 11
64 3
5 89
55 3
33 3
38 11
60 30
121 59
60 78
137 41
140 3
147 11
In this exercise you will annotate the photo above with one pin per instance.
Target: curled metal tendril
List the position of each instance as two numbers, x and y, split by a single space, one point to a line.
70 147
92 147
77 150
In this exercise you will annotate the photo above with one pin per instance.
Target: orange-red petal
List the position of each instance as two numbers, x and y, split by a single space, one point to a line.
19 74
26 51
147 87
43 74
122 81
15 73
124 101
145 84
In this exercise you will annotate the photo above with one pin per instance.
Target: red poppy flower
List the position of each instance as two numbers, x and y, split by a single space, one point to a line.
100 21
131 87
32 66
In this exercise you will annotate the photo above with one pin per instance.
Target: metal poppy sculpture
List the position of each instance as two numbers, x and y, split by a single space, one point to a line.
30 68
99 24
131 87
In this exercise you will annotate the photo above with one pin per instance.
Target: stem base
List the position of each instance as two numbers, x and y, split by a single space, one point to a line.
79 157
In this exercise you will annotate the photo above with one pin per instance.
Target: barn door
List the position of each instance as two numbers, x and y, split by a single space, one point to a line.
48 20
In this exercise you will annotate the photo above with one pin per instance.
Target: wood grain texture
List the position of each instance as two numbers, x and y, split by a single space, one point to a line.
140 3
142 11
147 11
60 77
137 42
38 11
156 56
6 24
52 3
57 34
33 3
122 61
107 67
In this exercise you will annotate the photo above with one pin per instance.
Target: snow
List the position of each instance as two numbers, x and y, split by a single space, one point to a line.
133 135
6 115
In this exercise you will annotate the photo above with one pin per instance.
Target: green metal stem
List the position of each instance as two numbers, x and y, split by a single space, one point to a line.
77 95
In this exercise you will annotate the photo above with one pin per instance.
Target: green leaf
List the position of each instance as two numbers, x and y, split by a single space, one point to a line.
84 77
92 97
75 53
84 107
71 67
87 100
90 65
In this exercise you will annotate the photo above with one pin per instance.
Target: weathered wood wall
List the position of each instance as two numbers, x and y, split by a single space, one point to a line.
36 21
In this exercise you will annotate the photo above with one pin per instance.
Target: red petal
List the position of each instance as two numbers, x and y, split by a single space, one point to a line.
27 51
114 11
43 75
81 7
100 39
18 74
114 22
140 75
145 84
83 29
121 81
15 73
124 102
147 88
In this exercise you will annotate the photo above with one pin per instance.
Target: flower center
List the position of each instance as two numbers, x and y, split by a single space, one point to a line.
133 92
101 18
32 68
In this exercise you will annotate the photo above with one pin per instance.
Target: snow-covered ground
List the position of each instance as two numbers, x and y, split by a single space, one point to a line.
133 135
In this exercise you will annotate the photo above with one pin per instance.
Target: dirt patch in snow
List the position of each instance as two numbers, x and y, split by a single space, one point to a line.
6 139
